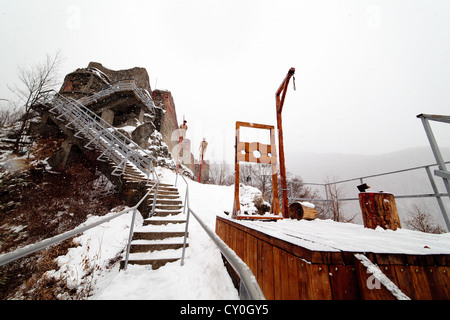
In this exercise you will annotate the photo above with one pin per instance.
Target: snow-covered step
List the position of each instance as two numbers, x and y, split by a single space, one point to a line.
162 241
165 192
173 227
162 212
155 258
164 254
165 220
157 235
168 207
154 245
165 196
168 201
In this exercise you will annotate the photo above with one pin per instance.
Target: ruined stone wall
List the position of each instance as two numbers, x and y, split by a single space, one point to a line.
168 119
81 82
137 73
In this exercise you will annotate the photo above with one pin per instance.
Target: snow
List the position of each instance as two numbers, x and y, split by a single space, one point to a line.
203 275
328 235
380 276
307 204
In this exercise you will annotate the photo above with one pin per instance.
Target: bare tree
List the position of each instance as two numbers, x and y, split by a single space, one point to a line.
33 81
9 114
297 189
335 192
247 174
420 220
220 173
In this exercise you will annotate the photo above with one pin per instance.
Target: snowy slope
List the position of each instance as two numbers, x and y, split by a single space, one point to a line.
203 276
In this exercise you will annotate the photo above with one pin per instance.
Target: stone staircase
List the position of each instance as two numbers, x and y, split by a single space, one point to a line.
160 239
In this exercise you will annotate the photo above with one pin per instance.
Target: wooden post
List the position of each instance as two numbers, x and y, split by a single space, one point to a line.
379 209
280 102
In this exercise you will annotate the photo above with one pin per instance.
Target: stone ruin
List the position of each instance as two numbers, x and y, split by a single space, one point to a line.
129 112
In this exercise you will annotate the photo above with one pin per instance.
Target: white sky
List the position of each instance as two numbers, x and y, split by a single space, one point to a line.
364 69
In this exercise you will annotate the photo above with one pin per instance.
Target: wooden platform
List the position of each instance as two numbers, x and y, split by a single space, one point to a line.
291 265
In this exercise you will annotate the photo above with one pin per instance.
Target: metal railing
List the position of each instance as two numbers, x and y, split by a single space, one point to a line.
119 86
27 250
130 237
442 171
436 194
112 144
249 287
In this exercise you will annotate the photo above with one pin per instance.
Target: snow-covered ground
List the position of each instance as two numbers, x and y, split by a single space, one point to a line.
203 275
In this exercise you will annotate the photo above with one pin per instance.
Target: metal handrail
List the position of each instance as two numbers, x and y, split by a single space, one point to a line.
436 194
249 285
104 135
29 249
121 85
127 255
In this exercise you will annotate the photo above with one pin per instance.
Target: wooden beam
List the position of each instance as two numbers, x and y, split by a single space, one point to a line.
279 108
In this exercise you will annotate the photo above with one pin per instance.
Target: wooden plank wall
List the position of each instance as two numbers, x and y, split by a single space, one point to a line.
288 272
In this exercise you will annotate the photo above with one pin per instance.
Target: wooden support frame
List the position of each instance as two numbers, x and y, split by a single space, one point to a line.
279 97
244 151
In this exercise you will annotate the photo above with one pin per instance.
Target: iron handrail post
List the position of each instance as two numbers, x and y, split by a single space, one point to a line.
132 225
154 198
186 204
435 148
129 240
438 198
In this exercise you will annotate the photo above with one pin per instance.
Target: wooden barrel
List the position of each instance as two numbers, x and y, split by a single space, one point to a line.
379 209
299 211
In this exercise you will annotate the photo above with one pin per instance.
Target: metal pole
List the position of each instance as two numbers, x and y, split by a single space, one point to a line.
129 239
328 202
438 198
436 152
